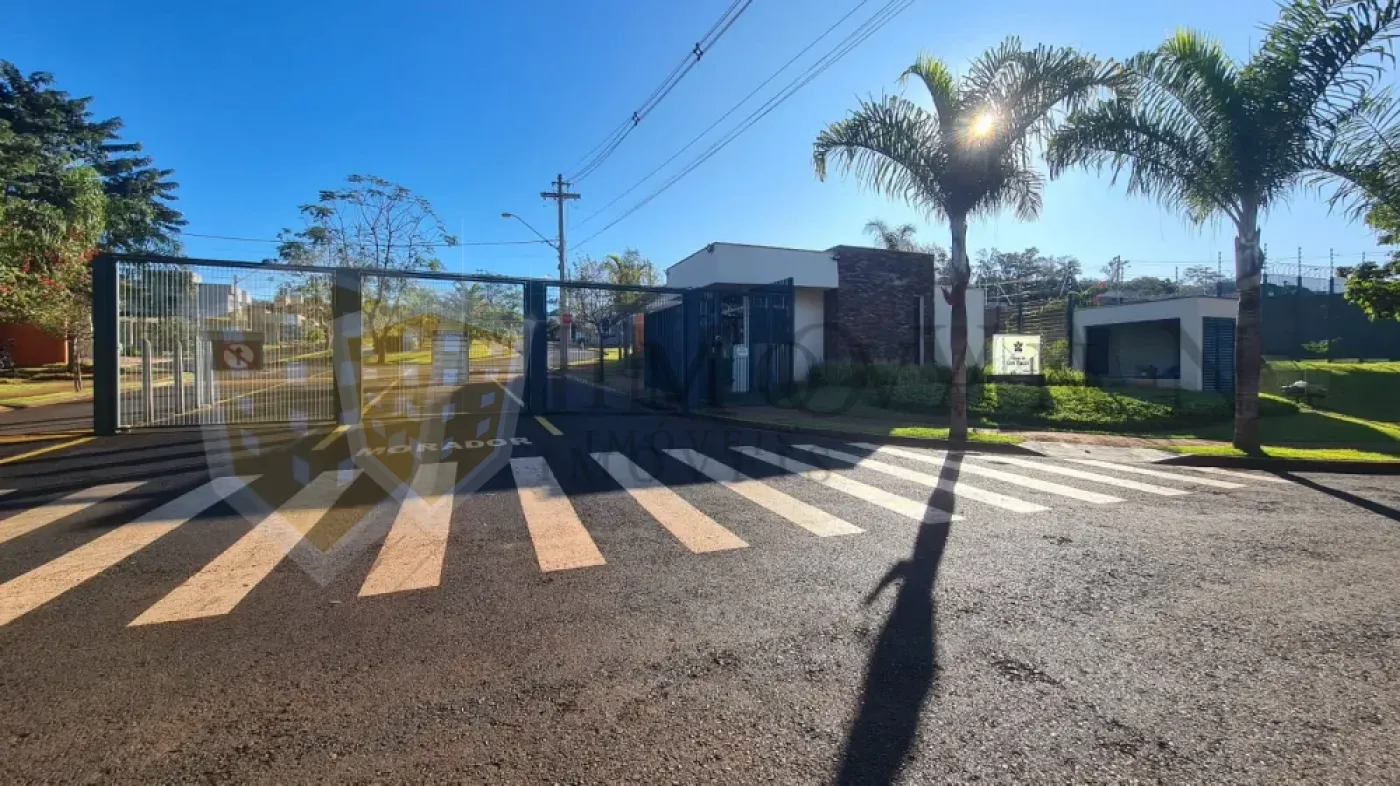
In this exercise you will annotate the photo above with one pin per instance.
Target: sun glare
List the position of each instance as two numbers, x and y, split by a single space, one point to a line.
984 124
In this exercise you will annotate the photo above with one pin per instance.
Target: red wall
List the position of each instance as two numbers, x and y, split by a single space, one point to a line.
34 347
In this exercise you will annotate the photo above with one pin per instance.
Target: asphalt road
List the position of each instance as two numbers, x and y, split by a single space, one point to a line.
658 626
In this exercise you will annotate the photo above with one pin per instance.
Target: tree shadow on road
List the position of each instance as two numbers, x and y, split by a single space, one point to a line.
903 665
1345 496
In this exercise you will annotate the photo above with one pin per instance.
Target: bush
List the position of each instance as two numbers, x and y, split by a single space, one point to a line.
1055 356
1065 376
884 375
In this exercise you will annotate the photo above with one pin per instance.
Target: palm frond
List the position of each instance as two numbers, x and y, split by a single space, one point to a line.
890 145
1177 169
1322 55
942 87
1360 156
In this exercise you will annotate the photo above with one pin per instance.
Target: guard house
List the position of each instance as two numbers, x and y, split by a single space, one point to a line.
848 304
1185 342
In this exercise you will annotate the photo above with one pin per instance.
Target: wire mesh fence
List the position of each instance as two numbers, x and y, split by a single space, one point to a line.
186 339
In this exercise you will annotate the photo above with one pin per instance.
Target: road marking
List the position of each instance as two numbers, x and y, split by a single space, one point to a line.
957 489
3 492
23 594
416 547
34 518
550 427
917 511
995 474
374 402
331 437
518 401
813 519
222 584
41 451
1231 473
1157 473
1094 477
561 542
21 439
692 528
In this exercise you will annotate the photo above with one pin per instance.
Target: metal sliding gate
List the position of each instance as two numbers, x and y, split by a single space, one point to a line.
184 342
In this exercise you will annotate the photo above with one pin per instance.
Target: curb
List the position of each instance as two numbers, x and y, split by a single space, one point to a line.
1279 465
861 436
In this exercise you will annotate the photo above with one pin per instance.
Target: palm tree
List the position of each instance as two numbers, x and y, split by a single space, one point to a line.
899 238
971 156
1215 138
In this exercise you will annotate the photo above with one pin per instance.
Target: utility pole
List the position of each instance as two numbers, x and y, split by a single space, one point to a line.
560 195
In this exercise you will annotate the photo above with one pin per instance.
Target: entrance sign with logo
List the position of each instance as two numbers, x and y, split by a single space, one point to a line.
1015 355
238 352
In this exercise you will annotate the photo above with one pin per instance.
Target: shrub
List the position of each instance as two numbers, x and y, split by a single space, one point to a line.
1061 375
1055 356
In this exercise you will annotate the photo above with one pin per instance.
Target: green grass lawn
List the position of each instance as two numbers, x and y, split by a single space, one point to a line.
1316 454
1370 391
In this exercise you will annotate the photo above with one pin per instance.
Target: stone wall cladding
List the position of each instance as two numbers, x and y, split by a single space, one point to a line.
872 317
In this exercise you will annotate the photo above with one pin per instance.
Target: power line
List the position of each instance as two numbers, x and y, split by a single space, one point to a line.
602 151
855 38
394 245
724 116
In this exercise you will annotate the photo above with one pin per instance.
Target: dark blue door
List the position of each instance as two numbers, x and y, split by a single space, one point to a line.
1218 354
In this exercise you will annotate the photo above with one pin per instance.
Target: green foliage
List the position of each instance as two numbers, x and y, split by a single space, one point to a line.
1373 287
1063 375
45 278
1055 357
52 132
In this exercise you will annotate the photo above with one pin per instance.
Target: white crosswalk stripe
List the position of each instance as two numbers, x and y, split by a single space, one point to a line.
34 518
1233 473
1105 480
904 506
813 519
692 528
222 584
1157 473
560 539
22 595
416 548
968 468
958 489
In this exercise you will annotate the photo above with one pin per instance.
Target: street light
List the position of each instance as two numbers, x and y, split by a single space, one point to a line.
551 243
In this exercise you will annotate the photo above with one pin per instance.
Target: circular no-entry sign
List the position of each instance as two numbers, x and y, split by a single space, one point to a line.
566 318
239 355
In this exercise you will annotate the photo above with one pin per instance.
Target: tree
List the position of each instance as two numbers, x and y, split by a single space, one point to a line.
1372 287
59 131
45 251
1202 278
1215 138
899 238
971 156
1025 275
374 225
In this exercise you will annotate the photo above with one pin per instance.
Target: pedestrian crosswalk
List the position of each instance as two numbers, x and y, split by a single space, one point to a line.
703 503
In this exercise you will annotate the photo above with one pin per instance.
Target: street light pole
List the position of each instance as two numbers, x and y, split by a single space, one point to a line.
559 195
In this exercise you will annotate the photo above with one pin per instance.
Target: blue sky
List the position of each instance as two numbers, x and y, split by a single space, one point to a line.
477 105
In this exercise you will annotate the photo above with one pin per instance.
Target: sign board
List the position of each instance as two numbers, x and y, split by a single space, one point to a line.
238 354
566 318
1015 355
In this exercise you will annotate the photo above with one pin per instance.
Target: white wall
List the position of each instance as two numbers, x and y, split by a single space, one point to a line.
737 264
809 319
976 329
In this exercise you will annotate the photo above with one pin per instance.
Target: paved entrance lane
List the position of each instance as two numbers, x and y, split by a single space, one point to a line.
1214 635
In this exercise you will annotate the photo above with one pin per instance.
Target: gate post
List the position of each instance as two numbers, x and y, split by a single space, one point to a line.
536 347
347 361
692 345
105 347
